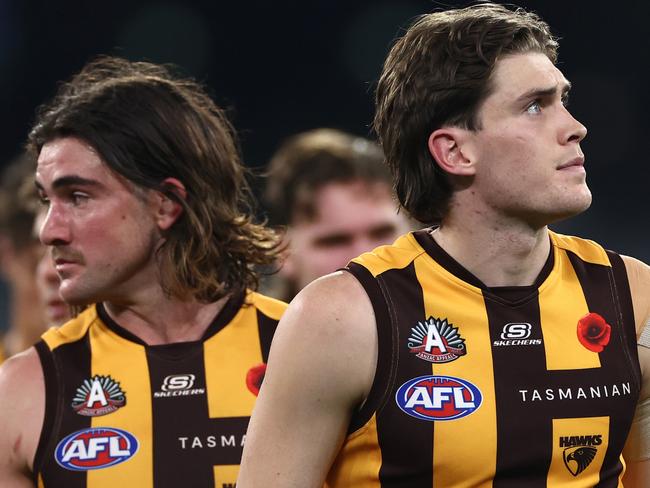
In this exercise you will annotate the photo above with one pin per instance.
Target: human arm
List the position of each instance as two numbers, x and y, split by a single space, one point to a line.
637 448
320 369
22 408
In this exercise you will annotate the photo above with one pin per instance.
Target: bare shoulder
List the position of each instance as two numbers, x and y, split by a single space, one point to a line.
638 274
22 408
320 369
636 267
332 322
328 330
337 299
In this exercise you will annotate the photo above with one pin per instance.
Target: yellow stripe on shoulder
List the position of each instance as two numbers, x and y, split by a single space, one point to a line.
71 331
270 307
585 249
395 256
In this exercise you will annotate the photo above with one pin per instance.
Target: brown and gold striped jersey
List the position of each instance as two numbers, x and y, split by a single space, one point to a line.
530 386
121 413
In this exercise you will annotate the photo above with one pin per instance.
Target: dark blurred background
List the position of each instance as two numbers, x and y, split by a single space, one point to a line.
283 67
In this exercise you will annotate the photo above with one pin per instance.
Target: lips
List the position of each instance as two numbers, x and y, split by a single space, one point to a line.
575 162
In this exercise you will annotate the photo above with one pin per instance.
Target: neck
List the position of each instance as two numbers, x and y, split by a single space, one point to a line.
498 251
166 320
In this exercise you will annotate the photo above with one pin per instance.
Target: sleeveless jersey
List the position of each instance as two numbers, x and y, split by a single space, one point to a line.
120 413
531 386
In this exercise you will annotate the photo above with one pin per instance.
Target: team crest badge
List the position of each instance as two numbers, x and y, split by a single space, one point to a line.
579 451
576 459
436 341
97 396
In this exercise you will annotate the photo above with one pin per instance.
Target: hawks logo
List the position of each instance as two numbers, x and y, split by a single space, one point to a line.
438 398
579 451
95 449
100 395
436 341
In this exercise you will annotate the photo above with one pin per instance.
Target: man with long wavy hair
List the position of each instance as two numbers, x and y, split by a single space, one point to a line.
152 235
486 350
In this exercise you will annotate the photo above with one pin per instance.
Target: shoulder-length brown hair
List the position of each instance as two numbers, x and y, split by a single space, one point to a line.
148 125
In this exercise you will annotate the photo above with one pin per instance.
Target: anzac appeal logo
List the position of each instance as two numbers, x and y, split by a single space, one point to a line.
100 395
579 451
438 398
436 341
95 448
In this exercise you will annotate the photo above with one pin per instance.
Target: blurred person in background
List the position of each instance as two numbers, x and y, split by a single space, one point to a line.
20 252
332 192
55 310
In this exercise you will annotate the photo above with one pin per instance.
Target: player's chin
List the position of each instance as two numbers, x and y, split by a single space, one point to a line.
73 294
571 205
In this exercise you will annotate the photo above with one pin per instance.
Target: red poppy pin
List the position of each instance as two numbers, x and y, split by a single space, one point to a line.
254 378
594 332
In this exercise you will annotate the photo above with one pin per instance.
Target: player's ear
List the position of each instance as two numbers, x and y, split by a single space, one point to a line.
168 209
447 146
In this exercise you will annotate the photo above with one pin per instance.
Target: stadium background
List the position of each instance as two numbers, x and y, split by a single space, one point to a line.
282 67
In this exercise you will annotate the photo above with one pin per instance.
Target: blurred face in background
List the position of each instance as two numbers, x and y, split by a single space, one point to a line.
350 218
55 310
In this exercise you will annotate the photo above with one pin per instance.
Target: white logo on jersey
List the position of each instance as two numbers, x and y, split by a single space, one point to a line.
176 385
178 382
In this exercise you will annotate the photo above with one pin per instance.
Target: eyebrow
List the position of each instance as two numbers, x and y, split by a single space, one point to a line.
66 181
544 92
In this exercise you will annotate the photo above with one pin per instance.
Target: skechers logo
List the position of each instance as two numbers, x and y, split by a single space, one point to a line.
438 398
517 334
579 451
177 385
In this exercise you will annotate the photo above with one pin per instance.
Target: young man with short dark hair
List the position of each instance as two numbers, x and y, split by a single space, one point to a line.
484 351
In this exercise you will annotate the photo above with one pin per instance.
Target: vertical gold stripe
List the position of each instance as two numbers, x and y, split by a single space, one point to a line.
225 476
357 464
561 299
130 369
560 473
231 353
464 307
40 481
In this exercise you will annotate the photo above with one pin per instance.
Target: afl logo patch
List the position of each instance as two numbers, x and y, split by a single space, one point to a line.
95 448
438 398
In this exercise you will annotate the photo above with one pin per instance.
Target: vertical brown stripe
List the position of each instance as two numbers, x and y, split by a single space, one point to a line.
520 437
46 441
404 464
178 420
72 367
266 327
385 354
619 359
187 442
